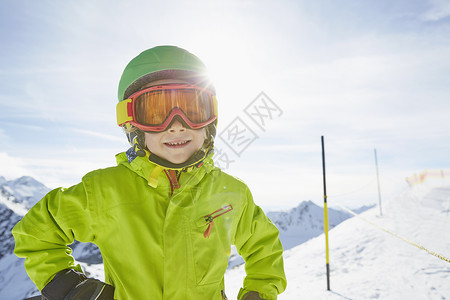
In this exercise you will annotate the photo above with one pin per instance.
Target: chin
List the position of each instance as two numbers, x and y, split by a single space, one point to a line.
178 161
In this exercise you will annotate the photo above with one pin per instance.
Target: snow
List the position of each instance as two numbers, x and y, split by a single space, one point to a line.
367 262
18 208
14 281
21 194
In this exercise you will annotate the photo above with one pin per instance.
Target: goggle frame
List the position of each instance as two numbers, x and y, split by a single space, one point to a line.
126 109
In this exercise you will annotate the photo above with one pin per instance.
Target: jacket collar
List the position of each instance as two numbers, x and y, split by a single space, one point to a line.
155 175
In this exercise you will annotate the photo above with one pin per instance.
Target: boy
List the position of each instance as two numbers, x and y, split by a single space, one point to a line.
165 217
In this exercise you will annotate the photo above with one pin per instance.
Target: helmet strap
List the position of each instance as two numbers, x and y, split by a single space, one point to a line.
139 144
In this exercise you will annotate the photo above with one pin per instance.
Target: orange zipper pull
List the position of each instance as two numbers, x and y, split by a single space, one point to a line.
210 218
208 230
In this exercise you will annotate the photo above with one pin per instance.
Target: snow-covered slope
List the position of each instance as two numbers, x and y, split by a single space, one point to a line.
14 282
7 220
368 263
16 198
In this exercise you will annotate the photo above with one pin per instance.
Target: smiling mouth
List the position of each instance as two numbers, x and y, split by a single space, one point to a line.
177 144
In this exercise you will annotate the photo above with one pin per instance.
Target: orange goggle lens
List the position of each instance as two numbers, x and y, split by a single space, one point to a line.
153 108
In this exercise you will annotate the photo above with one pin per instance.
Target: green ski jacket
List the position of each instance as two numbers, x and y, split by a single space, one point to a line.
164 242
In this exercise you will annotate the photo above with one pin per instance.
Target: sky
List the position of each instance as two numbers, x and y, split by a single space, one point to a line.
364 74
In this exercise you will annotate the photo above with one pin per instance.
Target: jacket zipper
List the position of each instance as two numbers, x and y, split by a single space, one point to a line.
173 179
210 218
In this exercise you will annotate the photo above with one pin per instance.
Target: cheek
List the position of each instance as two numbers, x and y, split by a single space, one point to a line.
199 139
201 135
151 140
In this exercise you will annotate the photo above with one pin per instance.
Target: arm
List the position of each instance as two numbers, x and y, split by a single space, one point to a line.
257 242
43 234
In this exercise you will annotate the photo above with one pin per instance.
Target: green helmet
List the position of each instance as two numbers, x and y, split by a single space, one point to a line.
162 62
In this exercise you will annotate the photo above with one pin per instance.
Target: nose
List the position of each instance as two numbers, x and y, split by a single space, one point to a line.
177 127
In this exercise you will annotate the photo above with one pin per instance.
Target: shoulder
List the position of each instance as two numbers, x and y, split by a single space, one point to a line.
112 175
219 175
111 171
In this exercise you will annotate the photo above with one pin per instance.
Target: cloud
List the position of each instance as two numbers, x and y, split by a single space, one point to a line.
99 135
4 138
66 170
440 9
12 167
33 127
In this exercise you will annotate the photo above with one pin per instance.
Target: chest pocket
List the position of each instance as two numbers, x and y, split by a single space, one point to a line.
211 244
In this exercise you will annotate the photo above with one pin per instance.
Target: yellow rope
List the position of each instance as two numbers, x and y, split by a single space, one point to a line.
396 235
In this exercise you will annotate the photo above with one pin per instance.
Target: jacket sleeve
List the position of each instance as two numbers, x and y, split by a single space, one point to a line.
257 242
43 234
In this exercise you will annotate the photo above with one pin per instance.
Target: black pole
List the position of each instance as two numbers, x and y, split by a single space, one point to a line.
325 215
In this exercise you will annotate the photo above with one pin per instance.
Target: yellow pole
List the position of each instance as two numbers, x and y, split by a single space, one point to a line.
325 216
327 251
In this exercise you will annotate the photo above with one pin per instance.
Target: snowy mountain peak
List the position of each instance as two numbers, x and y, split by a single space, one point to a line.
26 180
304 222
307 215
22 193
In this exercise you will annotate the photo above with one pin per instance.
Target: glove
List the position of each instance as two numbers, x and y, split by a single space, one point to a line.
251 296
72 285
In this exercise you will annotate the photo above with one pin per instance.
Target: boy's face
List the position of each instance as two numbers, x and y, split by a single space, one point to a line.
178 143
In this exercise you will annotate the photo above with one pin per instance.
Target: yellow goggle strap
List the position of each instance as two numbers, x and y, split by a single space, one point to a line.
154 175
123 111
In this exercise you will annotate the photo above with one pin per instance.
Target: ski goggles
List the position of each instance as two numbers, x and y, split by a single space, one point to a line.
154 108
